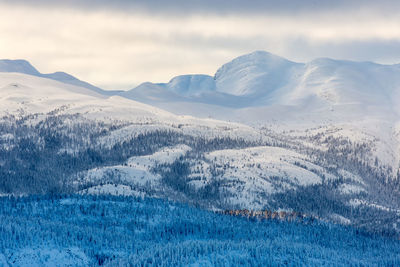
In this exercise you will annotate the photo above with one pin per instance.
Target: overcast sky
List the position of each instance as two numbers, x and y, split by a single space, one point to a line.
118 44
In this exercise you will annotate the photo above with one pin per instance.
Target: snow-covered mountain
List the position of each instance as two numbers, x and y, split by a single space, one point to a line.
186 90
260 79
261 89
259 74
320 138
23 66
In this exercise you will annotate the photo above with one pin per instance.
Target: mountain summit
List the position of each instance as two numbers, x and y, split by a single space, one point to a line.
19 65
258 73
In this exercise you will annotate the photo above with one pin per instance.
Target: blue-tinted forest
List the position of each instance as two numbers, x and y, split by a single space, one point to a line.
123 231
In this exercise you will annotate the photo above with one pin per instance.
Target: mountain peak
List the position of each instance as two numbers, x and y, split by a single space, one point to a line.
191 85
24 67
18 65
254 73
260 55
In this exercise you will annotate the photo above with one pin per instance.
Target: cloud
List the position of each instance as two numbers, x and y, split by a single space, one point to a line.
375 50
220 6
119 44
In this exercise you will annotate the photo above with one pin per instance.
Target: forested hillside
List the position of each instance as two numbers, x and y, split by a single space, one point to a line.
69 153
115 231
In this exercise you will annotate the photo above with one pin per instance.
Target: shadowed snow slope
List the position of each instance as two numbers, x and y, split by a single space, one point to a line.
193 89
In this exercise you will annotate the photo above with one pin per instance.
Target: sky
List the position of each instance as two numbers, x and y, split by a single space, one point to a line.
118 44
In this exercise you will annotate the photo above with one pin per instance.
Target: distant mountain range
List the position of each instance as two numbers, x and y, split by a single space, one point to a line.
251 83
261 80
320 138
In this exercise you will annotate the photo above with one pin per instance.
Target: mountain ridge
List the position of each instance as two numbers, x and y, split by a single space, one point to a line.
263 79
255 79
25 67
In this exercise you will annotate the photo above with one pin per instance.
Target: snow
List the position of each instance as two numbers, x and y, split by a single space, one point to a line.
30 94
247 173
340 219
23 66
351 189
357 202
165 155
360 99
51 96
41 257
112 189
258 73
257 97
132 174
261 79
352 177
6 137
136 172
270 161
191 85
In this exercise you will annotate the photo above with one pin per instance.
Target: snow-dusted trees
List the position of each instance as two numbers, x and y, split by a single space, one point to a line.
119 231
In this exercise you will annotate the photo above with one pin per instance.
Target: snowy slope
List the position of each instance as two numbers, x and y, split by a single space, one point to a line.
23 66
184 86
256 74
191 85
26 94
325 81
133 176
197 90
